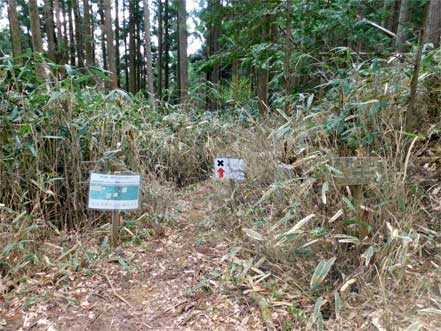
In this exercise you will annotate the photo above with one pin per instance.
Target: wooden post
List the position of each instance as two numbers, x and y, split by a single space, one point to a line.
116 221
232 197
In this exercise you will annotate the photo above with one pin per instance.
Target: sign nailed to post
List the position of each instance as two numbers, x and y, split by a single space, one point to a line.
358 170
114 192
225 168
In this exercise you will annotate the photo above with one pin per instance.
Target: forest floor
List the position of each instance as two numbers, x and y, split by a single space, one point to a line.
173 286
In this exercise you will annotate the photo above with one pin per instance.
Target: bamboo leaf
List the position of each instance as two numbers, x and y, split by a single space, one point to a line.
253 234
321 271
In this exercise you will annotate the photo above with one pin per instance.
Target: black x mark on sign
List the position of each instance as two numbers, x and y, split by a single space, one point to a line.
220 163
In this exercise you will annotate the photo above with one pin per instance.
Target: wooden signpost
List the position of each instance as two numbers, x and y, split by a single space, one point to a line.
115 193
356 172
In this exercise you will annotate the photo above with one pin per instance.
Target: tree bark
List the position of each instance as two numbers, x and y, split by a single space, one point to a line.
160 45
126 61
35 26
433 26
88 34
78 33
166 47
72 48
148 50
213 76
110 44
103 34
414 116
59 33
138 61
117 55
132 48
262 73
50 32
403 26
65 47
14 26
183 59
288 51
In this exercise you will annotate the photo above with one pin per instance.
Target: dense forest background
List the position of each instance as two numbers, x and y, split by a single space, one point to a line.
270 49
289 86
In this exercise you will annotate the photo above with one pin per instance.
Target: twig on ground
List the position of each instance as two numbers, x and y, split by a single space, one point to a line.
116 294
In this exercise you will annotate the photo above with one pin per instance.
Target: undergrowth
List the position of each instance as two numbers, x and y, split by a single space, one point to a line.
300 246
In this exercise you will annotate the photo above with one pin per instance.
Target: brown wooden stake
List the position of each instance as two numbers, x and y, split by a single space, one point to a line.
232 197
358 196
116 221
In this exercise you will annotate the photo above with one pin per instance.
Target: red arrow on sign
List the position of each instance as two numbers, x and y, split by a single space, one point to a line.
221 172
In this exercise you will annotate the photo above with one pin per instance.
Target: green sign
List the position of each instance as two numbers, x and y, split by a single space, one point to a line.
114 192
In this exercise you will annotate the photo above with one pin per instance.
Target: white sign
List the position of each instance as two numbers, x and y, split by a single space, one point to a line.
114 192
225 168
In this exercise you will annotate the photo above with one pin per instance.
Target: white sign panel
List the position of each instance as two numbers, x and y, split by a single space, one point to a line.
114 192
225 168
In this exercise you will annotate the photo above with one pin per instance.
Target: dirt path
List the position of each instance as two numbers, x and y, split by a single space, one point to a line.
177 286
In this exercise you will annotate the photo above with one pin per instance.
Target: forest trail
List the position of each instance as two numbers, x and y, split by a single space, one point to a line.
176 286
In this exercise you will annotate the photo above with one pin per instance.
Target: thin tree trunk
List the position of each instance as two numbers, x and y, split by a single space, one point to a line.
213 76
72 40
50 33
65 49
413 116
88 34
160 43
433 27
262 74
138 48
110 44
183 59
126 69
59 34
103 34
37 46
35 26
403 26
166 48
288 51
78 32
148 50
132 48
14 26
117 55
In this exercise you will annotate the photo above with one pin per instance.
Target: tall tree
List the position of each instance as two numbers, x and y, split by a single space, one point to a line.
403 26
14 26
72 41
59 33
65 49
126 60
50 32
288 51
262 72
167 47
88 34
103 34
78 33
182 50
110 44
117 55
34 16
132 47
160 46
148 50
213 76
433 28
